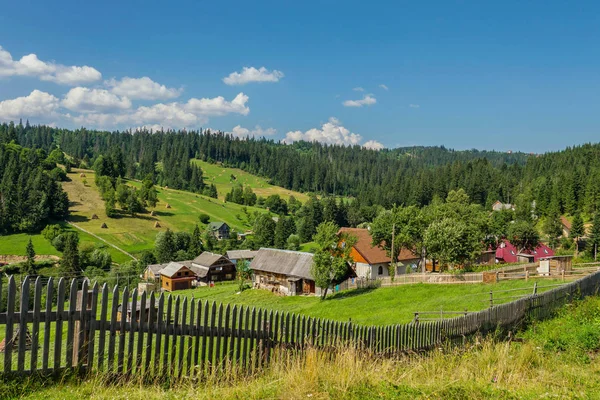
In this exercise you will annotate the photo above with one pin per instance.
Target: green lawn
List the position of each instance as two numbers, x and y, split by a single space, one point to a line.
388 305
221 177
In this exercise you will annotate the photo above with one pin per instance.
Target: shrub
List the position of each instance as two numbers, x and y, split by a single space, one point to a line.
204 218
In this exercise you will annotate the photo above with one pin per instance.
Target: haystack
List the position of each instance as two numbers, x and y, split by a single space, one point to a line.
94 216
157 225
82 175
152 213
166 187
104 226
168 205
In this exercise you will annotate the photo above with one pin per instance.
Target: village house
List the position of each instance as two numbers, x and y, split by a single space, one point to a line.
152 272
138 308
372 262
566 226
212 267
499 206
220 230
284 271
236 255
176 276
508 253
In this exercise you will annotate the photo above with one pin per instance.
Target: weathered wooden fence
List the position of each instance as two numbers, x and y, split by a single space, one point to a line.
73 326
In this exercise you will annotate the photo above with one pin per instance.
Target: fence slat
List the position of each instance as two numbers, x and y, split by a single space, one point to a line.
167 329
122 325
35 329
151 319
112 336
182 338
60 306
218 337
226 337
160 325
174 328
141 324
90 343
10 309
205 335
80 325
197 338
191 334
71 322
23 330
132 318
47 322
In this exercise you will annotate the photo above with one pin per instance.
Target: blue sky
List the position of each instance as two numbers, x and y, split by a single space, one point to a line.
468 74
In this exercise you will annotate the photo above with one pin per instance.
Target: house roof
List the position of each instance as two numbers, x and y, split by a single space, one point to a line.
507 252
241 254
138 305
216 225
207 259
155 268
284 262
171 269
373 254
566 223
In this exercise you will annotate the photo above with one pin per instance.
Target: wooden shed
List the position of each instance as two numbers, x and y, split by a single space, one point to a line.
176 276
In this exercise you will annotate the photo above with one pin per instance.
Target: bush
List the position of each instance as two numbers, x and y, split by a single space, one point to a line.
52 231
204 218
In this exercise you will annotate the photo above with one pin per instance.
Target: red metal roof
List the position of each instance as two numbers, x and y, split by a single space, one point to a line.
509 252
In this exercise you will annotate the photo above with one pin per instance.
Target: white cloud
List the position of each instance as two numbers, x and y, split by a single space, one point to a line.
331 132
384 87
251 74
142 88
218 106
367 100
241 132
83 99
358 89
36 104
373 145
170 115
414 105
31 65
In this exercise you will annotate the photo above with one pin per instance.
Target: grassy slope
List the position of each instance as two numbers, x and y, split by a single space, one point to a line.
136 234
534 369
389 305
221 177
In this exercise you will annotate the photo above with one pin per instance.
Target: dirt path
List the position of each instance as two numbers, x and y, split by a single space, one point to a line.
99 238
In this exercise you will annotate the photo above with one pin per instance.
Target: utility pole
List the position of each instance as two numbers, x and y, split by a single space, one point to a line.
393 258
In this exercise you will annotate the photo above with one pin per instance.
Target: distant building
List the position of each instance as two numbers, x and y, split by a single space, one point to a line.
566 226
212 267
220 230
372 261
499 206
152 272
508 253
176 276
284 271
236 255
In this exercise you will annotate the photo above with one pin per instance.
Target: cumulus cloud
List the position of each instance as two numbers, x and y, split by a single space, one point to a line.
239 131
367 100
251 74
83 99
36 105
358 89
31 65
384 87
218 106
142 88
373 145
331 132
414 105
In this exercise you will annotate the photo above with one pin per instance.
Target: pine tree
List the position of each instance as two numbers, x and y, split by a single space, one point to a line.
594 240
69 265
29 265
164 246
195 243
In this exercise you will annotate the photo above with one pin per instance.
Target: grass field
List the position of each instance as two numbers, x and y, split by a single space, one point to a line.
221 177
135 234
557 358
387 305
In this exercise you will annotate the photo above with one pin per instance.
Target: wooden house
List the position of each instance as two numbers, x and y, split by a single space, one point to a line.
284 271
508 253
220 230
152 272
371 261
499 206
138 308
236 255
212 267
176 276
566 226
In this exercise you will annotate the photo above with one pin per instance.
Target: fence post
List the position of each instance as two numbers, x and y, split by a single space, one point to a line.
526 275
491 299
535 288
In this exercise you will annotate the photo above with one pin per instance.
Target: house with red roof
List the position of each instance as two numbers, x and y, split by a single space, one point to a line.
508 253
372 262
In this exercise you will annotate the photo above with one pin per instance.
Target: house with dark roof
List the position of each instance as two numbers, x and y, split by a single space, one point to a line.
212 267
284 271
220 230
371 261
508 253
236 255
176 276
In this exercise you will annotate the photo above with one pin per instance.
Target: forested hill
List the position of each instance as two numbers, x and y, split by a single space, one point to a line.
415 175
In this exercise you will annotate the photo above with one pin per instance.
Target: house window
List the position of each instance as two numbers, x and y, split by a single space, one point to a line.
219 269
380 270
229 276
179 274
186 273
546 251
167 283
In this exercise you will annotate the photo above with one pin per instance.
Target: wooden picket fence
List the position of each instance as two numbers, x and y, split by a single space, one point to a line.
74 327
